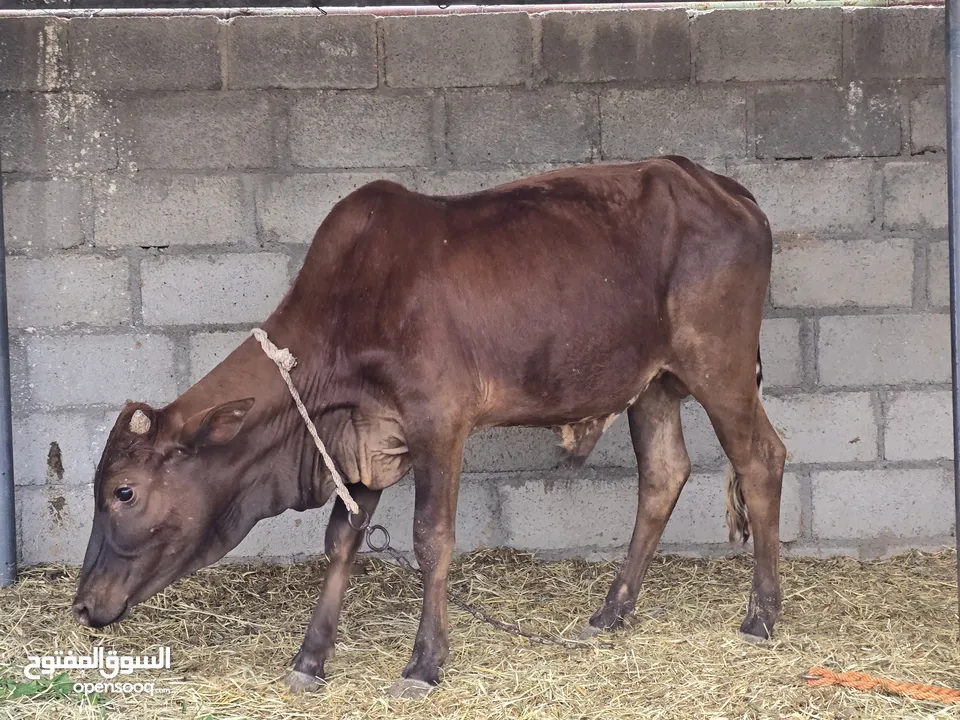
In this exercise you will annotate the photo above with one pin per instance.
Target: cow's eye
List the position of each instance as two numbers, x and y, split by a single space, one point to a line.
124 494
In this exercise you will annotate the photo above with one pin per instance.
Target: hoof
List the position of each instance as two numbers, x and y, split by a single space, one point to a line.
410 689
299 682
755 630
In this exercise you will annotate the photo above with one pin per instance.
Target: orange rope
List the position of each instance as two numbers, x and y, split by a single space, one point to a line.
862 681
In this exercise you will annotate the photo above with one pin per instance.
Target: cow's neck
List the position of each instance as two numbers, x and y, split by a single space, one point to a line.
276 459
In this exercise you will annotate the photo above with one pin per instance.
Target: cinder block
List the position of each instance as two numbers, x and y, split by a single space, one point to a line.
938 275
477 521
894 43
565 513
882 504
491 126
43 214
287 536
700 437
511 449
151 211
197 131
100 369
32 53
457 50
884 350
836 427
19 381
59 448
291 208
915 195
518 449
140 53
820 550
624 45
55 523
292 534
802 121
642 123
56 134
780 352
297 255
699 517
768 44
68 289
234 288
571 514
350 130
207 350
833 194
302 52
615 448
457 182
928 121
810 272
919 426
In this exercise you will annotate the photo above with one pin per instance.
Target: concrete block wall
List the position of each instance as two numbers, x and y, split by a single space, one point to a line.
163 178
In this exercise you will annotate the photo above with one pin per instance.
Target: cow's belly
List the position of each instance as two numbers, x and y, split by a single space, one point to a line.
582 392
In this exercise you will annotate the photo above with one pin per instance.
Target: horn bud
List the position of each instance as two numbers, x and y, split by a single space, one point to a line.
139 423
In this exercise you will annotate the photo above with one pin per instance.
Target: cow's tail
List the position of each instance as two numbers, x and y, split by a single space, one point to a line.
737 520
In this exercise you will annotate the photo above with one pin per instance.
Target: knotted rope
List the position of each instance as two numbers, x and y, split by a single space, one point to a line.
862 681
285 363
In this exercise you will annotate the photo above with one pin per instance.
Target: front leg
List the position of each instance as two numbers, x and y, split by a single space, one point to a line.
437 482
342 543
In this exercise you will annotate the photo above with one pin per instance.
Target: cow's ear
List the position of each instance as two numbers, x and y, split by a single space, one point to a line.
217 425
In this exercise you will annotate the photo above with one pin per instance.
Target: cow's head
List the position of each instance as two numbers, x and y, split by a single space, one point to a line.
166 503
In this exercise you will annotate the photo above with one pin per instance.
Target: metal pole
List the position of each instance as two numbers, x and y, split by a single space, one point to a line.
952 23
8 515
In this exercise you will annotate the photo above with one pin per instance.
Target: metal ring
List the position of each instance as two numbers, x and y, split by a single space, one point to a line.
363 524
386 538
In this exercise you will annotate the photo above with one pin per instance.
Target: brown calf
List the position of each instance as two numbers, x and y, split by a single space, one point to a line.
560 300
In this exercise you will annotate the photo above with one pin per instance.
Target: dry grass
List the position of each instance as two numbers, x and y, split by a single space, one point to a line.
234 629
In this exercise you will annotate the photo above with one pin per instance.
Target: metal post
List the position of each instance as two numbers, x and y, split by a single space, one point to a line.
952 11
8 515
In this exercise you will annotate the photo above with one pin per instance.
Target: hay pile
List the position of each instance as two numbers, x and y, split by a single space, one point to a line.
234 629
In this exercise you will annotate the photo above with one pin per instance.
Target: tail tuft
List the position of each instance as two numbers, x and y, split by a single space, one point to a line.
737 520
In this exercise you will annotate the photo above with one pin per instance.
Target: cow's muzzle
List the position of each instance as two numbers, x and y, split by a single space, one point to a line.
91 616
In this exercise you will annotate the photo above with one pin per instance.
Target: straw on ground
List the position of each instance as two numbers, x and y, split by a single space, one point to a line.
234 629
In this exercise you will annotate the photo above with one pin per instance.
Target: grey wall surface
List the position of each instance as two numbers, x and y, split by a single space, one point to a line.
163 178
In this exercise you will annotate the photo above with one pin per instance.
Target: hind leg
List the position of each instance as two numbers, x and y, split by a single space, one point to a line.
664 468
757 455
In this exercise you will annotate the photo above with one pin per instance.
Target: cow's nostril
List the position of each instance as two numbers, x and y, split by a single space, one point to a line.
81 614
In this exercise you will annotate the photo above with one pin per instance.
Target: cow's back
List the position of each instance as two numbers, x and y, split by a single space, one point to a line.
549 296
